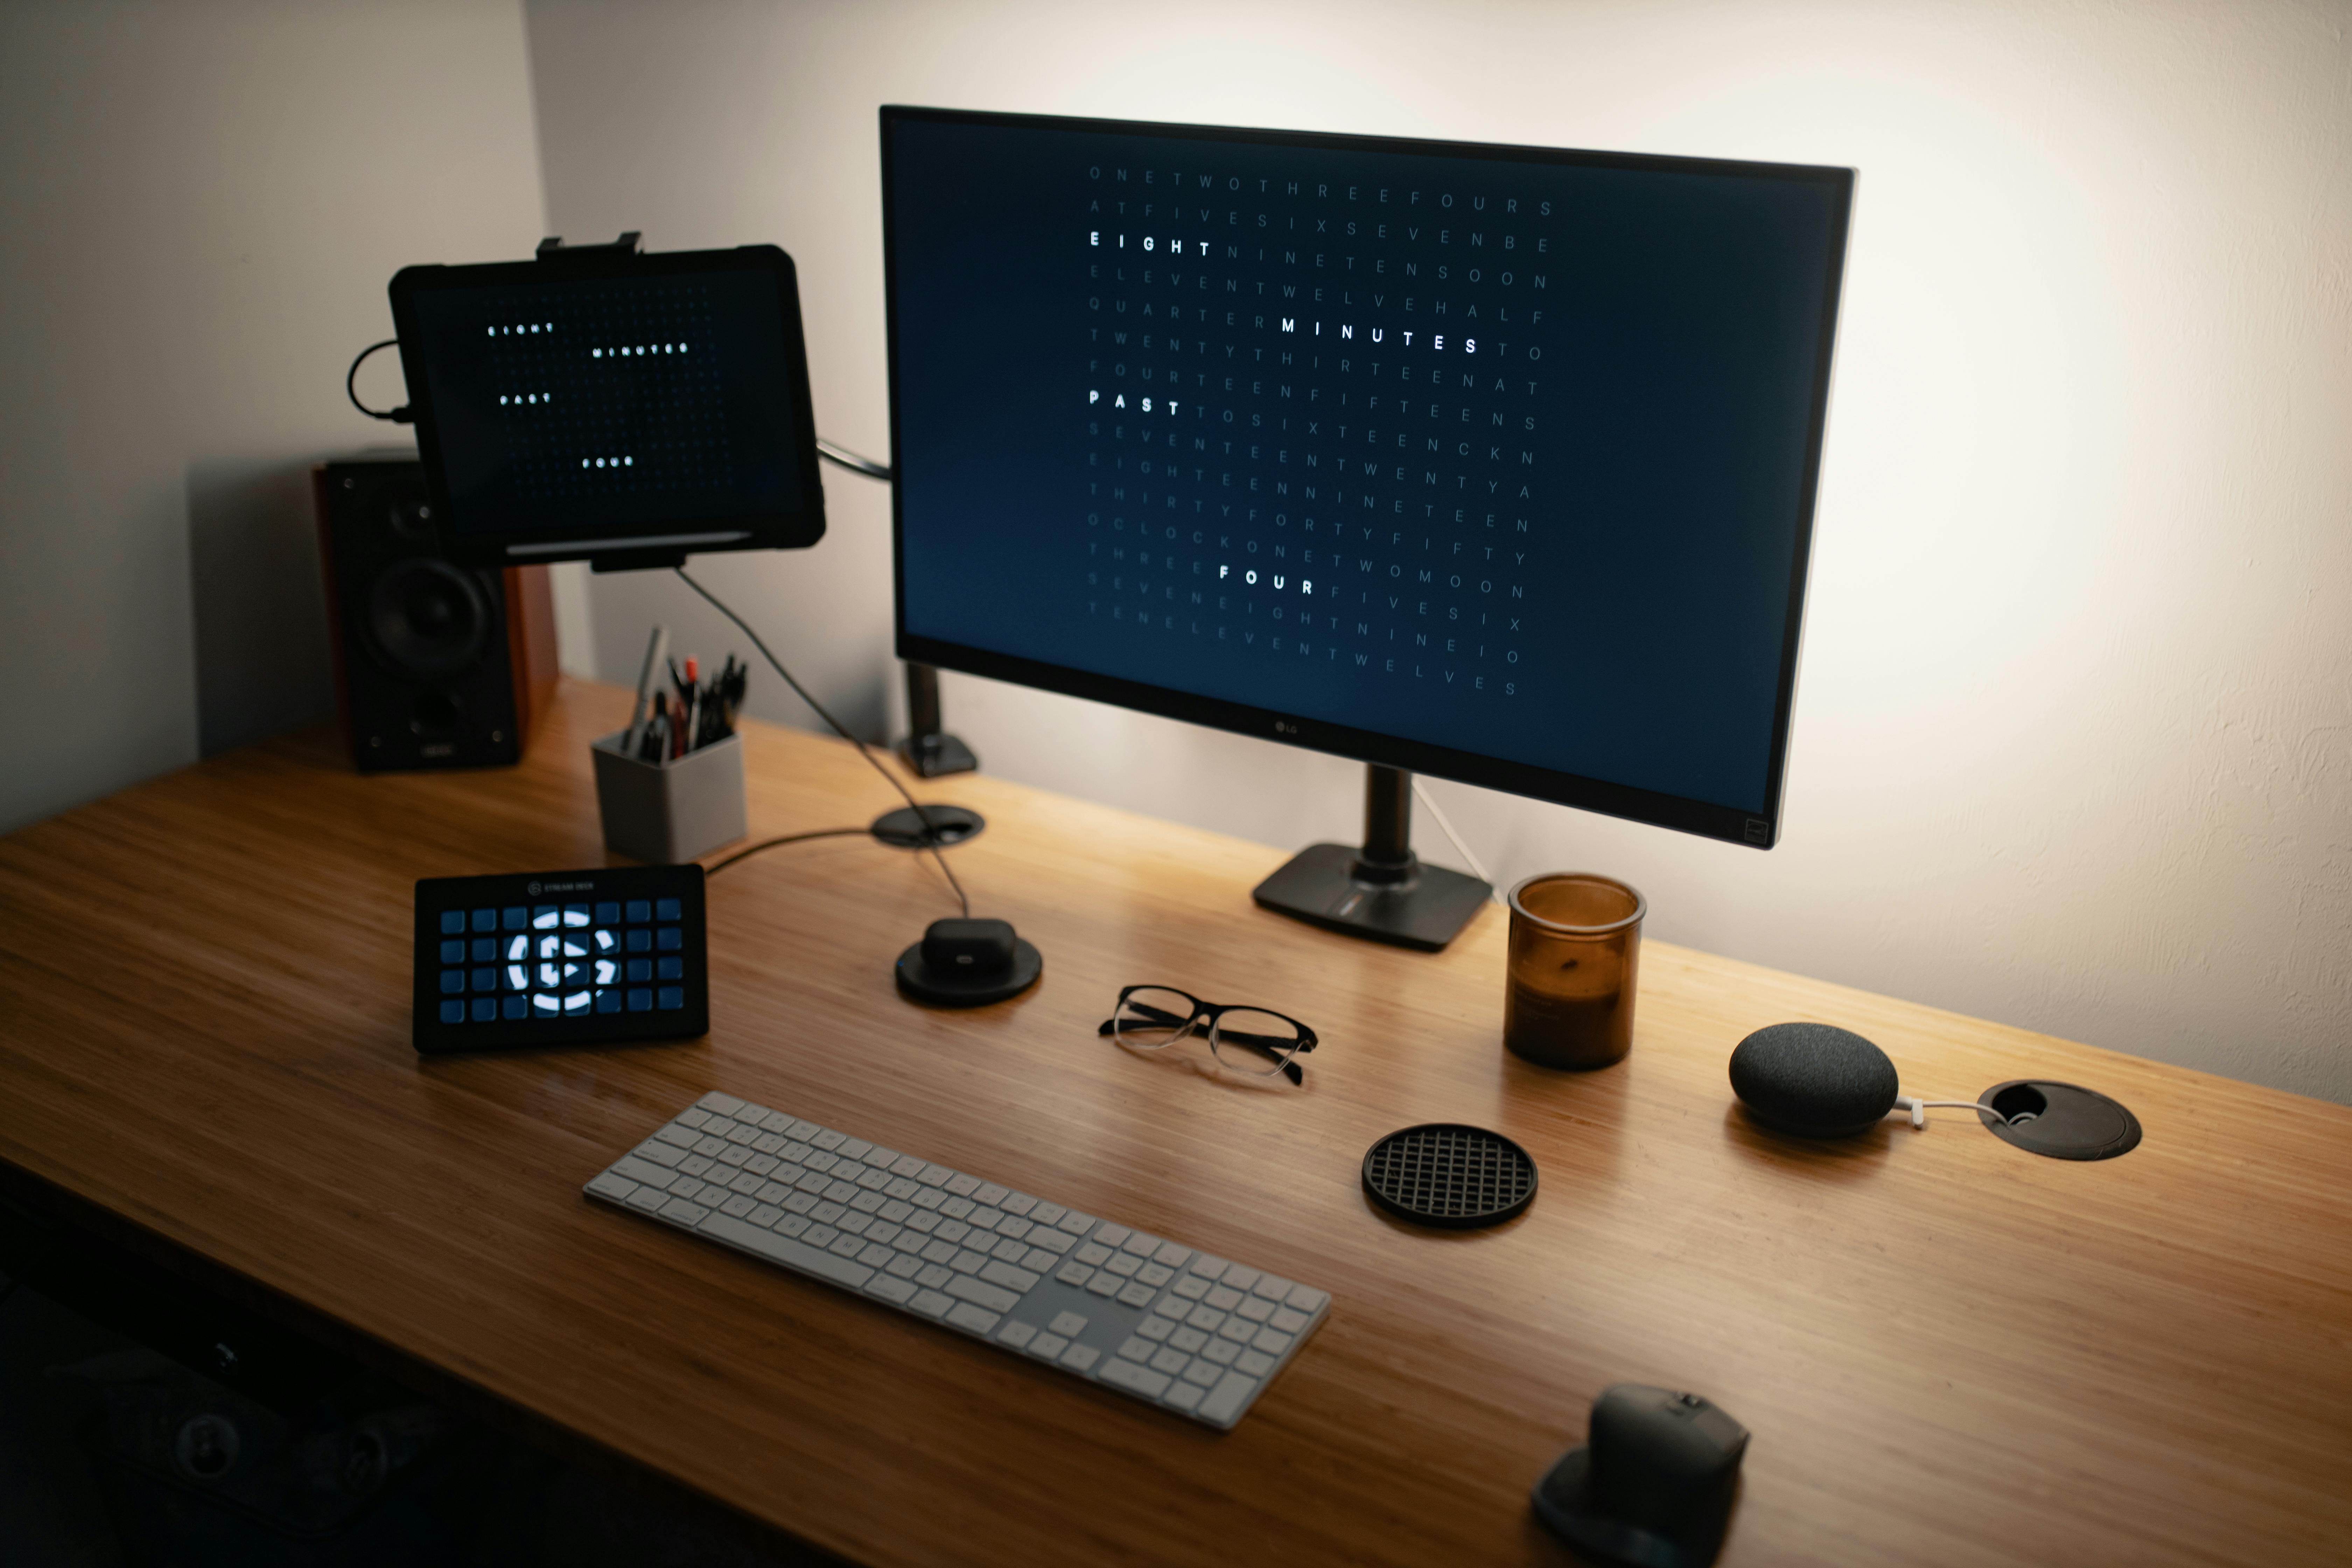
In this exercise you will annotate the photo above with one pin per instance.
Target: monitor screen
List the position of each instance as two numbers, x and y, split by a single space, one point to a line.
1492 462
593 404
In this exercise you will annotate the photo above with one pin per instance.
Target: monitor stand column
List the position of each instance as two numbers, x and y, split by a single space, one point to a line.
931 750
1383 891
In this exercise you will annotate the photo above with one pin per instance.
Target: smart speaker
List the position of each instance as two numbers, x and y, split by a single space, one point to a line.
1813 1079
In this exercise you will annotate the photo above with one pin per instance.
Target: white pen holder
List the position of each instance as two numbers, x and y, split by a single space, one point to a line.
668 813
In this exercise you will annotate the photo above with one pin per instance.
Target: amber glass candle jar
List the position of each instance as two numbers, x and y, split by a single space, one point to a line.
1575 938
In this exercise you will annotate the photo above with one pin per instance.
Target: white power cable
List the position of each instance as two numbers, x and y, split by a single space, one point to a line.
1918 1109
1461 849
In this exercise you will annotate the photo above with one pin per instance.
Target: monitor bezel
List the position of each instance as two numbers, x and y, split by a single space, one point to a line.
1708 819
615 546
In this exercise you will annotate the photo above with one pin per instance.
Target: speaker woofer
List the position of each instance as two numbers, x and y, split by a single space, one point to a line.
427 620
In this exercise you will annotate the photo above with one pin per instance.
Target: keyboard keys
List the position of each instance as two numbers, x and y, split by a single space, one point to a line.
1135 1379
995 1297
1096 1299
1020 1281
967 1316
1224 1402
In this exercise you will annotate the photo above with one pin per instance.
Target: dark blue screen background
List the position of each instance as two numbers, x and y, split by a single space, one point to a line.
1571 545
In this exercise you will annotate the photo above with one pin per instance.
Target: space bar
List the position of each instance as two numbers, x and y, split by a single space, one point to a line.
790 1252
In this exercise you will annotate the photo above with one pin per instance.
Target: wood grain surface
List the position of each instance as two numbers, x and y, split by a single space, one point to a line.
1947 1350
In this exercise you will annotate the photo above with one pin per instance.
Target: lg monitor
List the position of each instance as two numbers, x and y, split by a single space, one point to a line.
1497 463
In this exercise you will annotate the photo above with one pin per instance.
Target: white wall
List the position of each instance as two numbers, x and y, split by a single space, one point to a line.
202 205
2074 739
2074 744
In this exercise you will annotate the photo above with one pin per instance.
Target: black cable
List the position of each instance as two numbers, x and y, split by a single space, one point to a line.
839 728
833 452
787 838
399 415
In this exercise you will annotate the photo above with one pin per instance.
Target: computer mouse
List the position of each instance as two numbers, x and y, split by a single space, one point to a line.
967 964
1654 1485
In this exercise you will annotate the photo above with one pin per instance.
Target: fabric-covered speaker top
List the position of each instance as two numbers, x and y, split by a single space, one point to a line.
1814 1079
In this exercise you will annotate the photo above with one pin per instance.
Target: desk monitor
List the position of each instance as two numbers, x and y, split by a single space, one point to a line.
1491 462
602 403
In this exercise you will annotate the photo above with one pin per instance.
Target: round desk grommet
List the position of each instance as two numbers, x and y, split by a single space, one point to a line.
933 827
2060 1121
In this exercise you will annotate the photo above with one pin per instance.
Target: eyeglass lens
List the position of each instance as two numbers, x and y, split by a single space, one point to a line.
1251 1041
1151 1017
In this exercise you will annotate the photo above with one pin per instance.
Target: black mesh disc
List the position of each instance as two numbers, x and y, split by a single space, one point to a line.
1449 1175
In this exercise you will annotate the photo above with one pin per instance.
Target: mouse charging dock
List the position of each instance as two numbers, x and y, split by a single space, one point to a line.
969 964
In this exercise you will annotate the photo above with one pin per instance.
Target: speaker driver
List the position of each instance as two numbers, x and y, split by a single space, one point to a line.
427 619
411 517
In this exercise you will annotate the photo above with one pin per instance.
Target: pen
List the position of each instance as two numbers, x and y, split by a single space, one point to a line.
652 747
654 649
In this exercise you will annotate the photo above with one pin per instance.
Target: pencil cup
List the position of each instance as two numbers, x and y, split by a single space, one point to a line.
667 812
1576 942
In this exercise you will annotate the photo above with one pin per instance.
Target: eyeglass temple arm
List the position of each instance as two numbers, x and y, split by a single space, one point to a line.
1268 1042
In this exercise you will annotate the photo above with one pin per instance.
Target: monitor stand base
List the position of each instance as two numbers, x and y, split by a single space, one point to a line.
936 756
1424 911
1380 891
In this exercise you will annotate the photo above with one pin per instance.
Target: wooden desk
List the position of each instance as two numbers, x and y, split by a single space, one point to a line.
1947 1350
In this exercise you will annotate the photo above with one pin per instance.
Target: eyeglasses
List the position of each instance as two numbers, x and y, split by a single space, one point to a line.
1254 1041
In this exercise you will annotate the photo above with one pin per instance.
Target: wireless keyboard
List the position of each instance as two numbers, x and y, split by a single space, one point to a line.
1146 1316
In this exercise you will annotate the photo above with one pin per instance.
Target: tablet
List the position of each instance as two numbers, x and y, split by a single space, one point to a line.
603 404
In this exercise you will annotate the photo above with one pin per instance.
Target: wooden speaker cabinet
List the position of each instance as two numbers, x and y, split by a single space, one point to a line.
436 666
